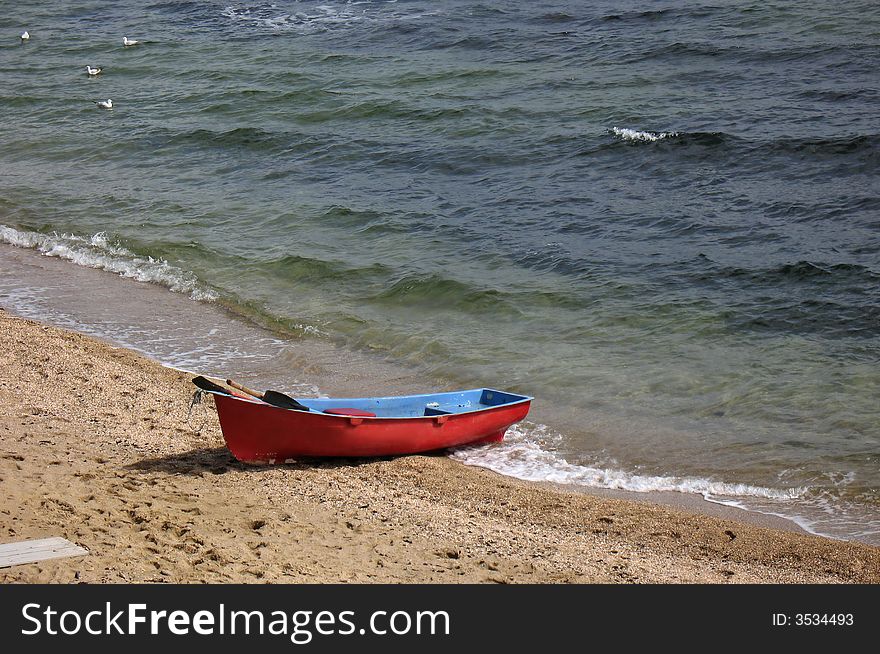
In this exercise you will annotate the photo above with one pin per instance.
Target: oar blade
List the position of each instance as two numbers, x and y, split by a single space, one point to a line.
207 385
283 401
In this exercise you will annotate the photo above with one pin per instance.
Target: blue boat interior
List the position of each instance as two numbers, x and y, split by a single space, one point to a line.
413 406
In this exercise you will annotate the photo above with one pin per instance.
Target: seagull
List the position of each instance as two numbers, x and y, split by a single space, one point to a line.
93 71
127 41
25 36
105 104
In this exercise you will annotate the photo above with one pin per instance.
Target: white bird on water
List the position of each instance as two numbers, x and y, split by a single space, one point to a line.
93 71
105 104
25 36
127 41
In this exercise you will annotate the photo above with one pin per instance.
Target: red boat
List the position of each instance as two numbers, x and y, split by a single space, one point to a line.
257 431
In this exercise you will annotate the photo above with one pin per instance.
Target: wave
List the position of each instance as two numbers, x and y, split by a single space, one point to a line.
318 18
366 221
866 144
299 268
848 206
97 251
690 138
743 55
807 270
521 455
804 297
649 15
257 313
829 318
443 293
268 16
840 95
431 78
678 51
628 134
821 517
549 260
237 138
555 17
386 108
704 144
861 148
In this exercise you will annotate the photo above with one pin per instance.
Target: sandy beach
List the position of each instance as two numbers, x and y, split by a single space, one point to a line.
97 445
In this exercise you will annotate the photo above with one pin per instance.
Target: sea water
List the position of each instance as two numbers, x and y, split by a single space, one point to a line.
662 219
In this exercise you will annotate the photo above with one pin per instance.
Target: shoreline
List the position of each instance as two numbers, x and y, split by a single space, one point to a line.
691 503
98 449
111 308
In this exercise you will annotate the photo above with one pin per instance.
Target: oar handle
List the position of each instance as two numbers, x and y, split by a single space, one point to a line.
245 389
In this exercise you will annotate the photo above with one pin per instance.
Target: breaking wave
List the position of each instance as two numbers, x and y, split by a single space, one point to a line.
628 134
521 455
306 19
97 251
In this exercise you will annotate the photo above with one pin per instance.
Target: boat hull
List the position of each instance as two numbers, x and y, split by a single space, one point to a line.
257 432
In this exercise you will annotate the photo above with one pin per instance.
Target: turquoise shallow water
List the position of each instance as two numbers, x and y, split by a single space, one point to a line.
661 223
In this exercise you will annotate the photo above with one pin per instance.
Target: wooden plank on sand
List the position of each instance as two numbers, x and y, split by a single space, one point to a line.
29 551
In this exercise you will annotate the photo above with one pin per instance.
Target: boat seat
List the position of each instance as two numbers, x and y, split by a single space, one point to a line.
434 411
350 412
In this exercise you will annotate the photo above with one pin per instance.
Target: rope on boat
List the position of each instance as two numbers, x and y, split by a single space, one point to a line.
197 398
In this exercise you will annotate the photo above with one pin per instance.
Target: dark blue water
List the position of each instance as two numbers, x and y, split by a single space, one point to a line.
660 219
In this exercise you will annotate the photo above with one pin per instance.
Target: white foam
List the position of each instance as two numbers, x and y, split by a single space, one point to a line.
636 135
527 453
318 18
801 521
521 455
97 251
311 330
819 516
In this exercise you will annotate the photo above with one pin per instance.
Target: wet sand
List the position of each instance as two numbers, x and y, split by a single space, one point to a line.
96 446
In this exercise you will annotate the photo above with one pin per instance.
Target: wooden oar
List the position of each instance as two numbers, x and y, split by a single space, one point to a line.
271 397
207 385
